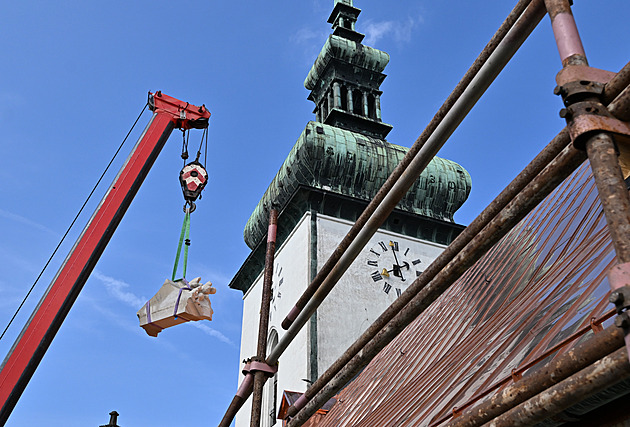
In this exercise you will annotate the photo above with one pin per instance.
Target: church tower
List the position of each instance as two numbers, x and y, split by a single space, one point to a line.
337 165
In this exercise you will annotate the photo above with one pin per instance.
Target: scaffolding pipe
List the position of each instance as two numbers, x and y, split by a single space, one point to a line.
614 87
613 192
496 39
260 377
524 178
601 150
243 392
497 61
513 395
462 86
589 381
560 168
602 153
599 345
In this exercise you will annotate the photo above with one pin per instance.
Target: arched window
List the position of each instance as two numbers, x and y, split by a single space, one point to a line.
371 107
324 108
344 98
357 101
270 393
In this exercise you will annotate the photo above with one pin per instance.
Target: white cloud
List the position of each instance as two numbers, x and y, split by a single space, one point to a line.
22 220
116 288
212 332
400 31
310 42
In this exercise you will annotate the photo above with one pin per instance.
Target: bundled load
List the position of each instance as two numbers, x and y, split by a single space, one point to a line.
179 301
176 302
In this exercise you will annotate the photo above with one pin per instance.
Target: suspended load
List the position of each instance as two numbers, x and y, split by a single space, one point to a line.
176 302
179 301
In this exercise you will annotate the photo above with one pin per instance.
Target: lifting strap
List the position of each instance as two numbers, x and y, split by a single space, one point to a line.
183 238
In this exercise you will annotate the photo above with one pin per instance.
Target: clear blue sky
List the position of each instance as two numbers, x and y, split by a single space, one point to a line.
75 75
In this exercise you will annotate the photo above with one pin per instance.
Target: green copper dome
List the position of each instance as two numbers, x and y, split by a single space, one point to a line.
348 51
353 165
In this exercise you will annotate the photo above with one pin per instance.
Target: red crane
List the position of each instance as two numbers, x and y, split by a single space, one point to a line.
36 336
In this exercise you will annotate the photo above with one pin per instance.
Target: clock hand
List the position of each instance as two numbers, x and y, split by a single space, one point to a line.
397 266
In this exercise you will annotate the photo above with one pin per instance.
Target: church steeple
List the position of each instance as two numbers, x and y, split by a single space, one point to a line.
343 17
346 77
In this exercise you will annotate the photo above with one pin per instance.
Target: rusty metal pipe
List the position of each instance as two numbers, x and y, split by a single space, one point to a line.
584 354
404 163
560 168
529 172
244 390
617 84
260 377
486 75
565 32
601 149
589 381
613 193
525 177
498 37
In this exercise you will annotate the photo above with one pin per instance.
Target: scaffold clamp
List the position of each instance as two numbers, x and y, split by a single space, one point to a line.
252 366
582 88
619 279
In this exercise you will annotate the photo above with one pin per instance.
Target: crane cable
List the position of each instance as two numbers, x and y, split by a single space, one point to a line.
190 196
72 224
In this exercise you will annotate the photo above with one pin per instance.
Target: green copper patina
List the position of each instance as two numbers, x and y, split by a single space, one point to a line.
349 164
348 51
342 159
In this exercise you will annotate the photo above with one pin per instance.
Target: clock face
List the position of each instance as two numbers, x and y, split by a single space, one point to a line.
393 267
276 289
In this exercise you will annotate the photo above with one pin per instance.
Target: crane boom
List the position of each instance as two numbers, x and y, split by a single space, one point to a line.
36 336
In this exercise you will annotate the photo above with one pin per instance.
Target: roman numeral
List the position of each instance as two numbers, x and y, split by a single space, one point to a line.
394 246
373 263
416 262
387 287
398 292
281 281
418 273
407 251
376 276
374 252
383 246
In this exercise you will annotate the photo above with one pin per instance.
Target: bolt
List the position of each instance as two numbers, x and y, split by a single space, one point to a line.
565 113
558 90
616 297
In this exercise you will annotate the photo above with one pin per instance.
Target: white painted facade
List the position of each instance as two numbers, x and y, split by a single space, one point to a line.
355 302
292 267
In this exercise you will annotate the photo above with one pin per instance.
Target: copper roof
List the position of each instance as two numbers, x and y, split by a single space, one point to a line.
539 284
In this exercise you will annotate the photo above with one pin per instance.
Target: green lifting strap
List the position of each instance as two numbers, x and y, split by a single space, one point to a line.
183 237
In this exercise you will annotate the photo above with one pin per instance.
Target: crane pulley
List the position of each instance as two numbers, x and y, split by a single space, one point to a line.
178 300
29 348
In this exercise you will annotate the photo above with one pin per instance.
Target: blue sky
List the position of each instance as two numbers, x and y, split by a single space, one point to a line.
74 77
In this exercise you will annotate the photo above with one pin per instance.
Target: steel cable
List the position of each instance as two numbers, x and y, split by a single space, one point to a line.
72 223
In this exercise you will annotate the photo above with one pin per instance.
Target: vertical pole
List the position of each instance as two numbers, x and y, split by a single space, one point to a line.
337 95
259 377
603 157
365 105
350 101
